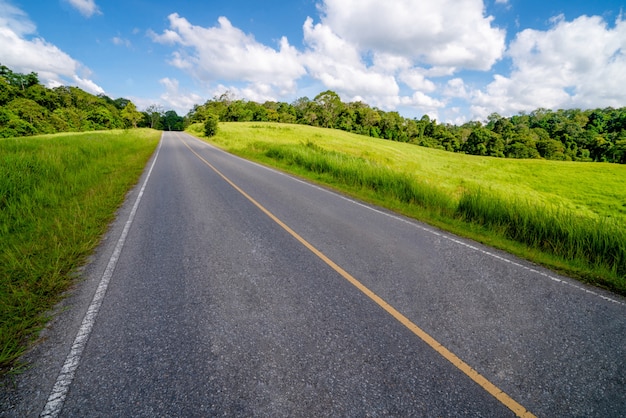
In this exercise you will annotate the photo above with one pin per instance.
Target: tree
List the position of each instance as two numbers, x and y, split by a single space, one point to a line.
75 119
31 112
131 115
329 105
121 103
100 118
172 122
7 91
154 112
391 126
238 111
367 120
346 119
551 149
22 81
211 125
286 113
445 138
47 98
484 142
619 150
305 112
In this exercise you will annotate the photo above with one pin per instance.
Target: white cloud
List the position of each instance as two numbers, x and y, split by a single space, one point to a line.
87 8
413 54
581 63
23 54
226 53
87 85
15 20
118 40
174 98
456 88
415 79
448 33
423 101
258 92
339 66
365 48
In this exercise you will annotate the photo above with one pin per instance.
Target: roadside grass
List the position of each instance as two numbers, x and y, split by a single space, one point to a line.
58 194
570 217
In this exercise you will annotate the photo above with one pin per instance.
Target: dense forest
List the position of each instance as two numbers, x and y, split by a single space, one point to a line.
29 108
573 134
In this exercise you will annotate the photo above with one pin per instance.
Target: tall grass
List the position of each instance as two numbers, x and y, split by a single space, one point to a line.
360 173
57 195
597 242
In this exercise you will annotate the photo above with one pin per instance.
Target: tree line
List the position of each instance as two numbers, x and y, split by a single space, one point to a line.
29 108
572 134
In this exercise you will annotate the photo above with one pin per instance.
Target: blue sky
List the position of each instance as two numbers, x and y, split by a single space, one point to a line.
455 60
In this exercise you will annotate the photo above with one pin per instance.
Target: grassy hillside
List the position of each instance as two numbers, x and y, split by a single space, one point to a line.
57 195
568 216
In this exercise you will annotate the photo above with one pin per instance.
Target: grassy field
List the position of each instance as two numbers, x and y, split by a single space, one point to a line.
568 216
58 194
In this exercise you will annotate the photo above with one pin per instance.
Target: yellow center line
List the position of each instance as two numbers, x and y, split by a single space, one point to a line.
492 389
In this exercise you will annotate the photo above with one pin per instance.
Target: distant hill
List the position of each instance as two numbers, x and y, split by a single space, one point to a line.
568 135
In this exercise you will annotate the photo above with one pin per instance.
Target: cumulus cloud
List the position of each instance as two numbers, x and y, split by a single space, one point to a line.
385 53
339 66
449 33
23 53
415 78
373 49
416 54
581 63
426 103
87 8
177 99
224 52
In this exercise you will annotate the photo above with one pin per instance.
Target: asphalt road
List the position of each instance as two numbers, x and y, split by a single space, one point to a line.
240 291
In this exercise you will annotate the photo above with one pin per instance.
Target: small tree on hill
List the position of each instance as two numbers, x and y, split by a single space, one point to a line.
210 125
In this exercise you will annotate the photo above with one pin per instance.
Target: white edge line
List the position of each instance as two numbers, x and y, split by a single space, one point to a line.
426 229
66 375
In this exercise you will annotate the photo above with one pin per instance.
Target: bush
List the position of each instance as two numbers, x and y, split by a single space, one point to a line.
210 125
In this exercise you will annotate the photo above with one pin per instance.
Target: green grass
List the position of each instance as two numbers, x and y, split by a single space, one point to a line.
568 216
58 194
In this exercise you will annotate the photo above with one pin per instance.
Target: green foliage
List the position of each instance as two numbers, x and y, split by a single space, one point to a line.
28 108
131 116
170 121
572 134
211 125
152 117
57 196
21 81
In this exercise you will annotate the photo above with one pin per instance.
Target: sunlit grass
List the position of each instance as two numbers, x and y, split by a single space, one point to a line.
58 194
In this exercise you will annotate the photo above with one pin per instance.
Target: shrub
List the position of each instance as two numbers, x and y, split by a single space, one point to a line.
210 125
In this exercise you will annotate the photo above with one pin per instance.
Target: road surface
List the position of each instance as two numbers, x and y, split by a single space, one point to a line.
226 288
